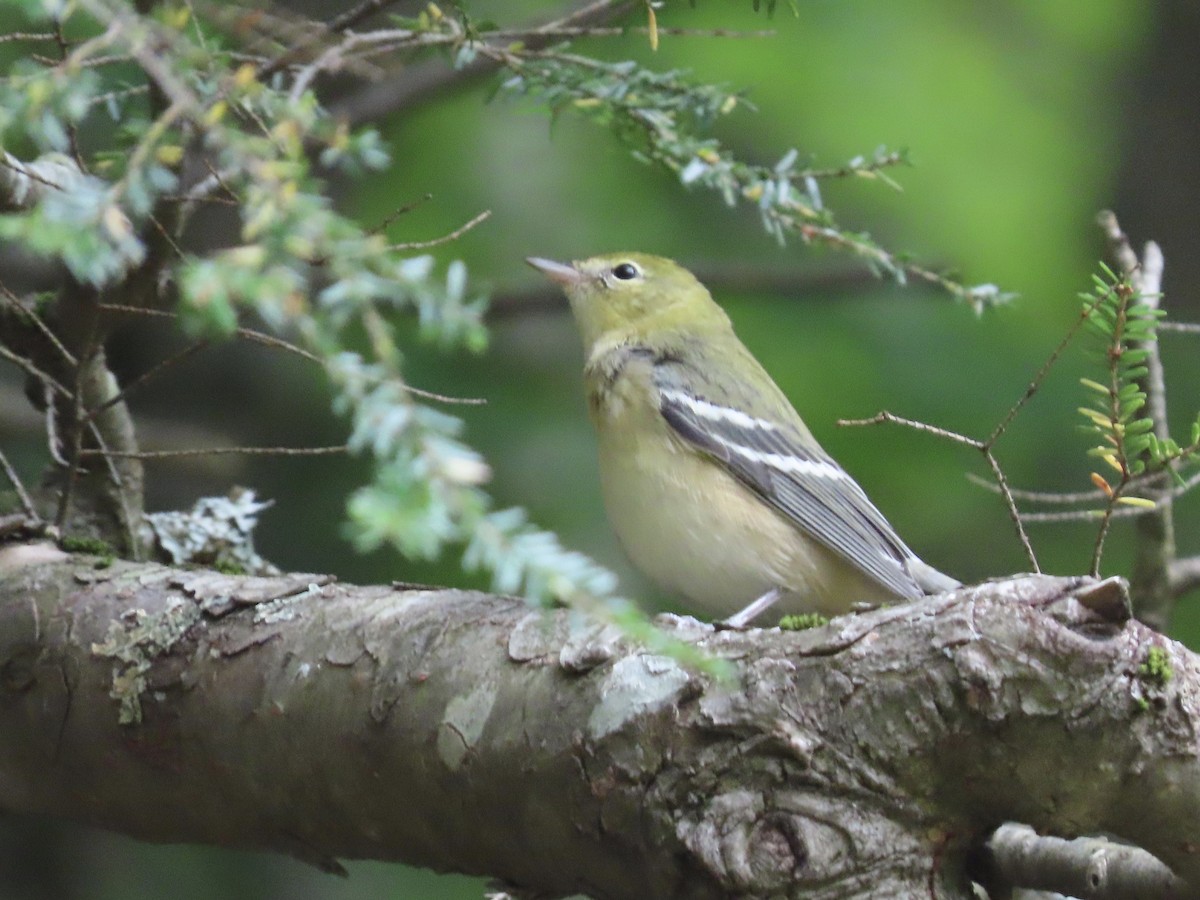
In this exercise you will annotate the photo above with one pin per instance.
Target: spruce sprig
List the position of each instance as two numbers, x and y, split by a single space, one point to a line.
1115 405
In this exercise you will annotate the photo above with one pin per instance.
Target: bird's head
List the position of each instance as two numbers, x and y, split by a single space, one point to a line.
631 294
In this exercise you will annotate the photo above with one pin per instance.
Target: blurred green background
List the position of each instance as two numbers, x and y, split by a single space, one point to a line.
1022 120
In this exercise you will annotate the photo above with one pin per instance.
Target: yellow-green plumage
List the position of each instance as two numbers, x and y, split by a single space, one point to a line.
713 484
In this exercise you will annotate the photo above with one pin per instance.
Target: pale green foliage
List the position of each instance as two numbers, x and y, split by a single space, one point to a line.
73 216
1126 327
664 116
802 622
297 263
1116 411
163 89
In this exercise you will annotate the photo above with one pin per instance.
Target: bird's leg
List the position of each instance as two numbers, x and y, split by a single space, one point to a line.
748 614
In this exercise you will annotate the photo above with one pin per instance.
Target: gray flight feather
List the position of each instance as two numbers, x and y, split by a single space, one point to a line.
791 472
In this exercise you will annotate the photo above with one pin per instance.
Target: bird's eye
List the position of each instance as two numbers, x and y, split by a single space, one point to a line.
626 271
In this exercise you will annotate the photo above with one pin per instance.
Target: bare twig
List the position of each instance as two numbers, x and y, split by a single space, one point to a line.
984 447
217 451
27 36
885 417
32 370
1036 383
202 190
1049 497
1181 327
53 442
248 334
32 172
345 21
424 81
27 312
446 238
112 96
1141 483
267 340
1082 515
149 375
521 34
22 495
90 62
398 212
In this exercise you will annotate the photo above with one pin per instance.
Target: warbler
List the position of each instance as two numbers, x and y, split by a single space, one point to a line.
714 485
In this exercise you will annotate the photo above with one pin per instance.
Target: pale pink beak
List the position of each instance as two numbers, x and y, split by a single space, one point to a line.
560 272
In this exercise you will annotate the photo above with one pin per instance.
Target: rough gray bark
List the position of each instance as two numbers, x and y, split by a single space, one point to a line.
1095 868
467 732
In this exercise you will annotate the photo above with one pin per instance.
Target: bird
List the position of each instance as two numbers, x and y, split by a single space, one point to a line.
715 487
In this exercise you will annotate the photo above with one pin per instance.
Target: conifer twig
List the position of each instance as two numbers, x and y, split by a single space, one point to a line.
1154 551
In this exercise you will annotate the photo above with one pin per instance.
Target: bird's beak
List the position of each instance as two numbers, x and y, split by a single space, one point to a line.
560 272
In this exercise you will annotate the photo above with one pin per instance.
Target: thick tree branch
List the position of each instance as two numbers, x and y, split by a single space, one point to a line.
468 732
1094 868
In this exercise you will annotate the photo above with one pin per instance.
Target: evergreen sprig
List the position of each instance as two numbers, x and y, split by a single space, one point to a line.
189 117
665 117
295 262
1125 327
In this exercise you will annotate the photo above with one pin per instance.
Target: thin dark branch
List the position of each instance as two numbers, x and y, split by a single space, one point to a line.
343 22
267 340
134 91
27 312
32 370
149 375
398 212
91 62
983 447
445 238
248 334
522 34
1036 382
425 81
986 446
1013 512
884 417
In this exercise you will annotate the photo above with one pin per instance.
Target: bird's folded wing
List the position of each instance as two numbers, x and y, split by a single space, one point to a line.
800 481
